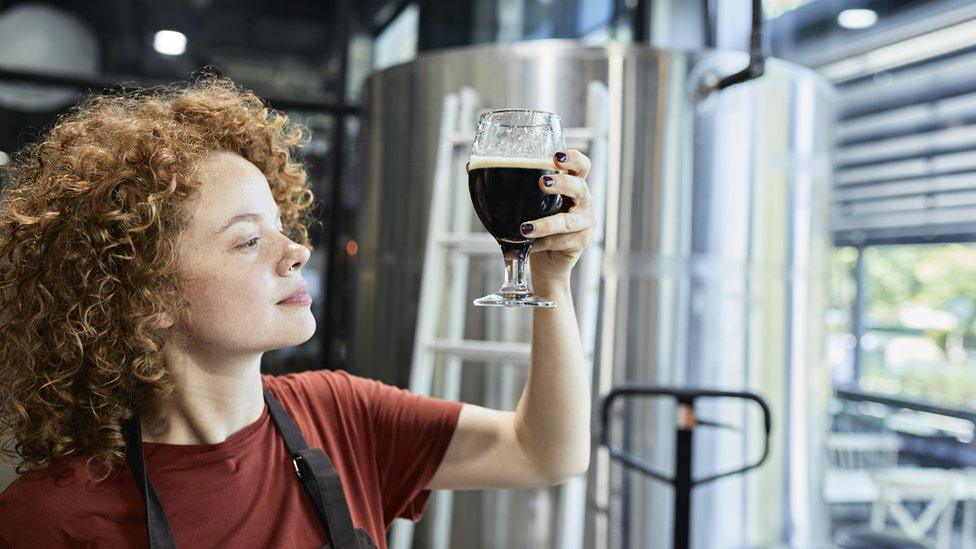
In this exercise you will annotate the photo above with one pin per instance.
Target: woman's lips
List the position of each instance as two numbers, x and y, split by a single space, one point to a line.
300 297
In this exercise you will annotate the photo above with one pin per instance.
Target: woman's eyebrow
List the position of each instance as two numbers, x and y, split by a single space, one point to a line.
246 216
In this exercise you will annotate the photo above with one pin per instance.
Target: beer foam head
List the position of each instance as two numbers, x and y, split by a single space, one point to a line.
477 162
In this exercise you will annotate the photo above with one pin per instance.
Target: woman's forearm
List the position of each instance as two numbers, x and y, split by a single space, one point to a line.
553 414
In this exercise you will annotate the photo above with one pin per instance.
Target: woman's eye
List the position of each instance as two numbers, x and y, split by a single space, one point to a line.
254 241
250 243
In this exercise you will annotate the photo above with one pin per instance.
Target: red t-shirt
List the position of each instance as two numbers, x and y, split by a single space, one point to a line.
386 444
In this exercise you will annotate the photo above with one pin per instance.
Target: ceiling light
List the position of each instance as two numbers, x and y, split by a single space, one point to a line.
857 19
168 42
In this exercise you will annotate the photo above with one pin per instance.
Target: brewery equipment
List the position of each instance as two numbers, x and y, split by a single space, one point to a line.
713 276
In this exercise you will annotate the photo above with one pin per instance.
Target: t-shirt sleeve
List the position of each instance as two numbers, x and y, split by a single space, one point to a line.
411 434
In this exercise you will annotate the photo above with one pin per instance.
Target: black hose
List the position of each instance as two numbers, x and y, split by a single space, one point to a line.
757 58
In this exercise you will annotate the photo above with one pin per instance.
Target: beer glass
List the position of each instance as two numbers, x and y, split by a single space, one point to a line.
512 150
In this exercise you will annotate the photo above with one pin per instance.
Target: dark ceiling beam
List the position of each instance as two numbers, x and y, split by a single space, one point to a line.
386 15
102 83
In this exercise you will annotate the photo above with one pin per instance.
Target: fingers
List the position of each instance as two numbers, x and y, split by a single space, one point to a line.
571 242
569 186
569 222
573 161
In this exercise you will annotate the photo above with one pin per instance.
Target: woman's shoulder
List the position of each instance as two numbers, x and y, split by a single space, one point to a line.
318 385
324 400
52 484
54 498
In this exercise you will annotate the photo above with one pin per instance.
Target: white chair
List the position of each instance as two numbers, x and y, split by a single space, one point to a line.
863 450
852 458
934 489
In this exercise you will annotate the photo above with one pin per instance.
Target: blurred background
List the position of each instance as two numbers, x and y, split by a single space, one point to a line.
804 231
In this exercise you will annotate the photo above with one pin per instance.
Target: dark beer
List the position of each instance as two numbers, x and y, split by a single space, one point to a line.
505 193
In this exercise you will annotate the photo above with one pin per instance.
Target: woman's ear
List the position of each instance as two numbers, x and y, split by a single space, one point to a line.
162 322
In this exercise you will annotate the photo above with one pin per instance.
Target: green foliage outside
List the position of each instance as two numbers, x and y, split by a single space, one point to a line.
920 322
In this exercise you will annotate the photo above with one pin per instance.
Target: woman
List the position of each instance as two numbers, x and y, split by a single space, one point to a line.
151 248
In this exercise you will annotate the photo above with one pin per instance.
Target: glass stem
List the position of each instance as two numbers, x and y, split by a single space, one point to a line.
516 269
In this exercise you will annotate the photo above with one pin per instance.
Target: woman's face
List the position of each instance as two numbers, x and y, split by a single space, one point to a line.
239 266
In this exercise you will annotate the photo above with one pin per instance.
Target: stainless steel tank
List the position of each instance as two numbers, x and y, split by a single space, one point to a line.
714 272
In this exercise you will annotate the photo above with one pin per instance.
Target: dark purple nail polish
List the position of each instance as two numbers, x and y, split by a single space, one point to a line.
548 181
527 228
561 157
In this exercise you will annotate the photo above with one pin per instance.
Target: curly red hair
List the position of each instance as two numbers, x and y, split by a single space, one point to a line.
89 223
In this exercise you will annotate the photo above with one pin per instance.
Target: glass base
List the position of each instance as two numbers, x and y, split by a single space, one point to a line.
513 300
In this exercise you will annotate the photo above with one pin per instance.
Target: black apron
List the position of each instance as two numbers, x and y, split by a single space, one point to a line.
315 471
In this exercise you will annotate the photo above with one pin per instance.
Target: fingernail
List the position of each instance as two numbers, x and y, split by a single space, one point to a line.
527 228
548 181
561 157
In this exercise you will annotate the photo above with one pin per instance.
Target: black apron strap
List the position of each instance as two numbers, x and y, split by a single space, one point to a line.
318 476
160 533
315 471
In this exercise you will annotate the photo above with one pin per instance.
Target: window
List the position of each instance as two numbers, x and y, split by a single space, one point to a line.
916 325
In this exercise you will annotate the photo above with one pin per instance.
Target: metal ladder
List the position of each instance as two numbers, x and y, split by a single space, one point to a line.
451 243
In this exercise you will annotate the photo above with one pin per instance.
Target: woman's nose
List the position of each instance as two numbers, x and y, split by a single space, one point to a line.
298 255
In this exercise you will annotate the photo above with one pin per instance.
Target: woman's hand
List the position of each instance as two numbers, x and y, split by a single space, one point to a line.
546 440
561 238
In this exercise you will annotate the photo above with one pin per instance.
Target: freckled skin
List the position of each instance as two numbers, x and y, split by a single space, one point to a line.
233 291
235 279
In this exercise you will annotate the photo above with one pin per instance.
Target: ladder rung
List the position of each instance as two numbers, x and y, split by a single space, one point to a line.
484 350
471 243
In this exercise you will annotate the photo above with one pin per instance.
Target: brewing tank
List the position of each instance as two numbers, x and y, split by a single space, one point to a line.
713 275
